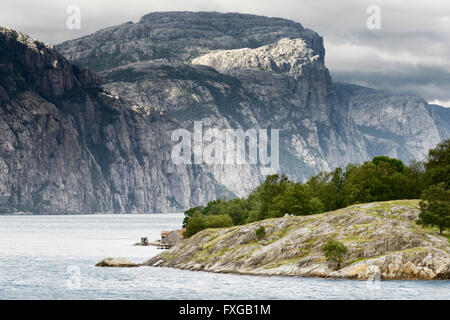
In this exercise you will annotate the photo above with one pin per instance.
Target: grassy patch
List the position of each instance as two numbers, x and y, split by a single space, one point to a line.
388 205
356 238
246 255
282 263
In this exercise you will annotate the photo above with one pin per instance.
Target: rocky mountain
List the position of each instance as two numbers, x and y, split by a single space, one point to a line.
403 126
382 238
75 142
69 147
245 71
292 93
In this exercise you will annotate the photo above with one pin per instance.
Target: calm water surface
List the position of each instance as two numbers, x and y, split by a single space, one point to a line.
53 257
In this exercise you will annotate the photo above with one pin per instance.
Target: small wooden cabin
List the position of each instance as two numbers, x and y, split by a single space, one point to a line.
172 237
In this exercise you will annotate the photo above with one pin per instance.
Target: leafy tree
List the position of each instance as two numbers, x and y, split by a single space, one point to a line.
215 207
253 216
315 205
396 164
438 164
273 186
238 209
334 198
322 187
189 213
374 182
416 182
196 223
293 201
219 221
435 207
335 251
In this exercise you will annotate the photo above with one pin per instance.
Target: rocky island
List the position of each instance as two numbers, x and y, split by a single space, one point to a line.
382 238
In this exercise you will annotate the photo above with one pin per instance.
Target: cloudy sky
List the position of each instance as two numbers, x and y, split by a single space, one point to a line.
409 53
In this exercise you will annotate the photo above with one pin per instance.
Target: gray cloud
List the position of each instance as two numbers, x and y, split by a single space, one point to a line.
409 54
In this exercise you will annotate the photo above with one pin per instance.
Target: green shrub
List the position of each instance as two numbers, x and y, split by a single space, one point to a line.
198 222
335 251
260 233
219 221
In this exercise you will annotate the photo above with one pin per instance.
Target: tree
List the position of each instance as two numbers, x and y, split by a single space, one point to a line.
273 186
219 221
396 164
294 200
335 251
438 164
238 209
377 180
189 213
416 179
315 205
196 223
326 187
435 207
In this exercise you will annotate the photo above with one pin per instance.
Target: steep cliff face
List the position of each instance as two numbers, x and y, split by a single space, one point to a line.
70 144
245 71
398 125
68 147
278 81
26 64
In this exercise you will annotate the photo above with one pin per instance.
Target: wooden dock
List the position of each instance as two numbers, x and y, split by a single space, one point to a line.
160 245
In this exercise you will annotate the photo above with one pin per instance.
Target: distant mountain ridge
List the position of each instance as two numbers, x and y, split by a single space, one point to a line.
76 144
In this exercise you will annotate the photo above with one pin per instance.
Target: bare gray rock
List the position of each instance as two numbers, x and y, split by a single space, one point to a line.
69 147
244 71
70 144
285 56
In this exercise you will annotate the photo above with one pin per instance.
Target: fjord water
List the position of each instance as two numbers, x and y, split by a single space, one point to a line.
53 257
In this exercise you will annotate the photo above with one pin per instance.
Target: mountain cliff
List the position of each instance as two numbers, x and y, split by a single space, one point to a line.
69 147
402 126
244 71
78 142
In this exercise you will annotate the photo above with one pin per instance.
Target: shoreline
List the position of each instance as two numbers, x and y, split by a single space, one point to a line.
382 239
297 276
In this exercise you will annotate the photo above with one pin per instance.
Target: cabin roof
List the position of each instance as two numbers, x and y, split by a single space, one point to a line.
180 233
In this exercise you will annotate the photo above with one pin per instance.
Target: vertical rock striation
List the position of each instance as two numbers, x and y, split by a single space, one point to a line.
69 144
